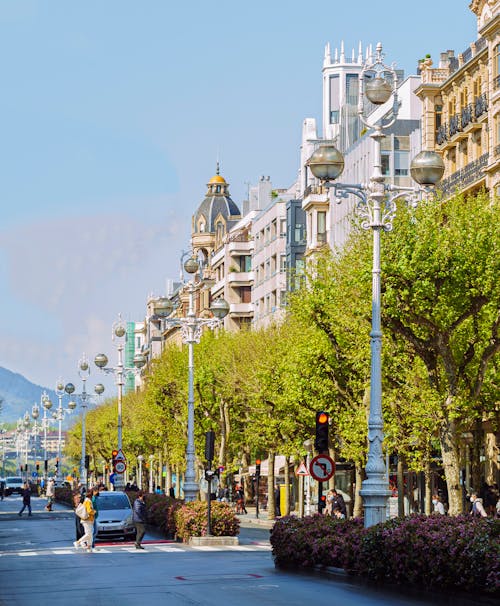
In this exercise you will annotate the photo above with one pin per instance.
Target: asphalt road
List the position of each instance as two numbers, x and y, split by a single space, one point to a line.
39 566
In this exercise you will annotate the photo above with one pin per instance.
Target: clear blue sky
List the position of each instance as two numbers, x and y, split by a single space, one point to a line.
113 115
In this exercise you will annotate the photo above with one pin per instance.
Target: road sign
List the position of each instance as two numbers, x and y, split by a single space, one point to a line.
302 470
322 467
120 456
120 467
34 474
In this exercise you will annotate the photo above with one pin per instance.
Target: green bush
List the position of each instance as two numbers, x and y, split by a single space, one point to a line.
191 520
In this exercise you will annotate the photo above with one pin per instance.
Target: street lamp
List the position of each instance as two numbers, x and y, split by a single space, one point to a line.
84 373
191 329
151 459
119 336
35 432
140 458
308 445
47 405
377 207
58 415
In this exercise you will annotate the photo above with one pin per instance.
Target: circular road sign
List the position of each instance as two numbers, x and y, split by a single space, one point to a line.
322 467
120 467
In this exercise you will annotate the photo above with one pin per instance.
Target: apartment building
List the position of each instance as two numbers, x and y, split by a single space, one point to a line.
461 107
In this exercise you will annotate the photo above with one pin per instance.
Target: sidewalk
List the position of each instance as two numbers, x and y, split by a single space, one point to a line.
250 518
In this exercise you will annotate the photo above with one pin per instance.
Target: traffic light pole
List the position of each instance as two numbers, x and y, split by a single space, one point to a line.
320 495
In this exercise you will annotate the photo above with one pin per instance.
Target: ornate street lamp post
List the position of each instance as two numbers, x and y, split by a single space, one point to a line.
58 414
191 329
140 458
47 405
120 372
85 398
377 207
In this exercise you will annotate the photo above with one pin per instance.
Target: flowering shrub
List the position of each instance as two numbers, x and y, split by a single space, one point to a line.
435 552
157 509
191 520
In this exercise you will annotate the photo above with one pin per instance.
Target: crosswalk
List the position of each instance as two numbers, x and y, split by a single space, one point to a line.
148 548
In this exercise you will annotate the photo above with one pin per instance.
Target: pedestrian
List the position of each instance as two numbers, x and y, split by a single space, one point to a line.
336 513
139 519
277 509
338 501
438 505
50 493
26 499
240 500
79 532
171 491
477 506
95 506
85 512
329 503
2 489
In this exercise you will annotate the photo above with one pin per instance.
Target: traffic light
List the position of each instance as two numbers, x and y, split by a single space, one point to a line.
322 503
209 445
46 465
114 454
87 461
38 467
57 463
321 441
257 467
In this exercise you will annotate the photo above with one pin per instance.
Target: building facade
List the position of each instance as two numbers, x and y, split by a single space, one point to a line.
461 107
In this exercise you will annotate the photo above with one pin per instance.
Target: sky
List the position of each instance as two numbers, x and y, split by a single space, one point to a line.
113 116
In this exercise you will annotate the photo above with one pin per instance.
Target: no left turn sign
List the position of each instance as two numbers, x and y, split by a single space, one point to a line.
322 467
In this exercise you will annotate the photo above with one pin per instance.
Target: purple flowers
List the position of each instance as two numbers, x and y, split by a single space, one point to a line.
434 552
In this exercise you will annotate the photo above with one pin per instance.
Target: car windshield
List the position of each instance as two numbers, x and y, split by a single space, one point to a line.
15 480
118 501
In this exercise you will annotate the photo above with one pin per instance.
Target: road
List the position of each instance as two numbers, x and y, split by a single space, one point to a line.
38 565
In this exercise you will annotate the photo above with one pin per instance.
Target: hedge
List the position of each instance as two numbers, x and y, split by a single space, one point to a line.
432 552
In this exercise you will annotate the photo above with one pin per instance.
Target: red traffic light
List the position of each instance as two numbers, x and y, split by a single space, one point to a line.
323 498
257 461
114 453
322 418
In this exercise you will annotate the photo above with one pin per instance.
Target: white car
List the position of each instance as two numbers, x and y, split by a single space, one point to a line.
114 519
13 484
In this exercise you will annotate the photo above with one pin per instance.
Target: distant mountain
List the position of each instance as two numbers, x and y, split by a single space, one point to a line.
19 395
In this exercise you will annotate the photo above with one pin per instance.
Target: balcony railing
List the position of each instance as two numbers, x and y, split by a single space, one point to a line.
465 176
457 123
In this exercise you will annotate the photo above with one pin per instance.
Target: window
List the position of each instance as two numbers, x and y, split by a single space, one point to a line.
386 164
299 232
401 163
321 226
334 99
246 263
496 65
282 227
352 89
282 263
246 294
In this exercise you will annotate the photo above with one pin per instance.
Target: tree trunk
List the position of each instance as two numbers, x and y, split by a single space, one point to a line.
287 484
491 452
270 486
401 486
245 481
477 443
451 464
331 481
428 488
358 501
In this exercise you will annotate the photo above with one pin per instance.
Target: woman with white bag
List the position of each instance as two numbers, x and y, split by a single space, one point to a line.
86 513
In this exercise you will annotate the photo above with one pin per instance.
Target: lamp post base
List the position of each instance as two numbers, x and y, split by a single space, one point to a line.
191 490
375 495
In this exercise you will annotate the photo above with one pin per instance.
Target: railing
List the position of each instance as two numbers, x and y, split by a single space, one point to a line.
465 176
313 189
457 123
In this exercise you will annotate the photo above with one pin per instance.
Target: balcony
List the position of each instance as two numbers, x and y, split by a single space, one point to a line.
463 178
460 124
240 278
241 309
240 247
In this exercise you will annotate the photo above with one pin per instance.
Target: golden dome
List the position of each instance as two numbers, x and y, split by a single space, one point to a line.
217 179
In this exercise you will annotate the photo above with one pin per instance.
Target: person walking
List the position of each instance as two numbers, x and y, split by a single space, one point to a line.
85 512
26 499
50 493
438 505
95 505
79 532
477 506
338 501
139 519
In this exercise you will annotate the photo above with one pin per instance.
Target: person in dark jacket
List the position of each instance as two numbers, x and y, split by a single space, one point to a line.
338 502
139 519
26 500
